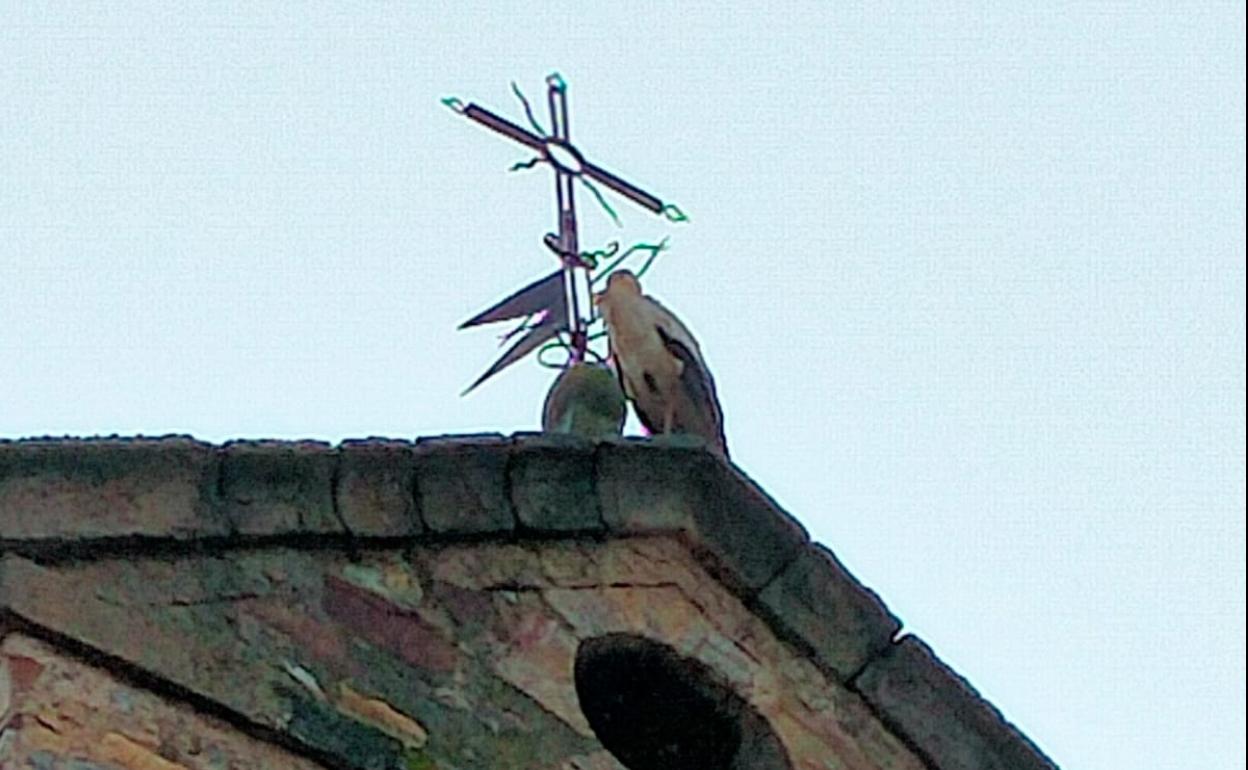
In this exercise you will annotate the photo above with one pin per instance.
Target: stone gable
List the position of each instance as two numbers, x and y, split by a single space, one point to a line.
459 602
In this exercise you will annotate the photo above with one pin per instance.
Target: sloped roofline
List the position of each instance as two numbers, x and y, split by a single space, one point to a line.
72 498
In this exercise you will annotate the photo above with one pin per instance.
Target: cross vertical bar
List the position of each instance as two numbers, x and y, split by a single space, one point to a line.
568 240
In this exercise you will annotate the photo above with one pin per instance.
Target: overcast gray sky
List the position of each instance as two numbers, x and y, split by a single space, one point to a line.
970 277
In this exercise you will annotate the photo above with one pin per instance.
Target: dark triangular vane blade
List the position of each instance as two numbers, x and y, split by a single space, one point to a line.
544 294
552 325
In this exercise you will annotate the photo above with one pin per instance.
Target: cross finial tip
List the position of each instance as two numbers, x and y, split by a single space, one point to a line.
673 213
555 80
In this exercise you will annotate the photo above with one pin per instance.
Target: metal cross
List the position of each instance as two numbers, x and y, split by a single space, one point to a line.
555 299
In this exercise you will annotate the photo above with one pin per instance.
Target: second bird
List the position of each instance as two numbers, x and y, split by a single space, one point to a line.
659 364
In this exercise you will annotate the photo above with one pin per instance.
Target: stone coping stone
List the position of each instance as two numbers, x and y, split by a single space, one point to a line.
818 604
76 492
68 489
940 715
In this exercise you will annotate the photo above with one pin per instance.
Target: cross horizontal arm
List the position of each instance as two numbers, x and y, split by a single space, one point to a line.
632 192
504 127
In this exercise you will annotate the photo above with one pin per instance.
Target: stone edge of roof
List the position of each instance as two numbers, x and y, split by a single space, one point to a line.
69 498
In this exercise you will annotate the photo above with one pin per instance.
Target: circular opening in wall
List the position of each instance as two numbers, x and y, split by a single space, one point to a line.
656 710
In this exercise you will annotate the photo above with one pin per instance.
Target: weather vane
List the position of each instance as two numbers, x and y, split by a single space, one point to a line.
552 305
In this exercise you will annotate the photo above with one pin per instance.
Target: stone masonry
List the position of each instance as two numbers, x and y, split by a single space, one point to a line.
167 604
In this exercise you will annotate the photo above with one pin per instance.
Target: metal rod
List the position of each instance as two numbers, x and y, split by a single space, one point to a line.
568 240
504 127
630 191
565 243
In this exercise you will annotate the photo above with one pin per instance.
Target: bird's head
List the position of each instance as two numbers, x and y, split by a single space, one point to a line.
622 283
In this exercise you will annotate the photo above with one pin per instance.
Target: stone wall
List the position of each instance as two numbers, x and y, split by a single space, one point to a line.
454 657
58 713
389 605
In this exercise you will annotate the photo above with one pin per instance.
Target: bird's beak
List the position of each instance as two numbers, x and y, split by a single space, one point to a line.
598 297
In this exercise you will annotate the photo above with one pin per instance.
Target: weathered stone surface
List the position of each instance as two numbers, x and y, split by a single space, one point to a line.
461 484
65 715
456 654
562 593
277 487
81 489
745 538
816 602
178 618
646 489
377 488
351 659
383 716
749 537
375 618
552 484
940 714
355 745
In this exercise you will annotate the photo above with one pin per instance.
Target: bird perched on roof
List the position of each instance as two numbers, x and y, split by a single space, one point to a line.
659 364
585 400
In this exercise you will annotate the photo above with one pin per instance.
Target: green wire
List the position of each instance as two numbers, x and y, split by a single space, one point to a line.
556 344
591 257
528 111
524 165
654 249
601 201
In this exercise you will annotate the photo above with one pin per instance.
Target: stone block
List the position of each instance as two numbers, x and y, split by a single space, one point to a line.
461 484
941 715
278 487
644 488
552 484
818 604
377 488
736 530
747 535
83 489
350 742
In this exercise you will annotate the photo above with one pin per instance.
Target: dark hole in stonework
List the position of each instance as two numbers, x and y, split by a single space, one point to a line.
655 710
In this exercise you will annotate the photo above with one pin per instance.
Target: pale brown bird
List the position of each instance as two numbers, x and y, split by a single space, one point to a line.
659 364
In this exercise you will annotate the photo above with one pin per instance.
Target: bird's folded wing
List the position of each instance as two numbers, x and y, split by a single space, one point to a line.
697 383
